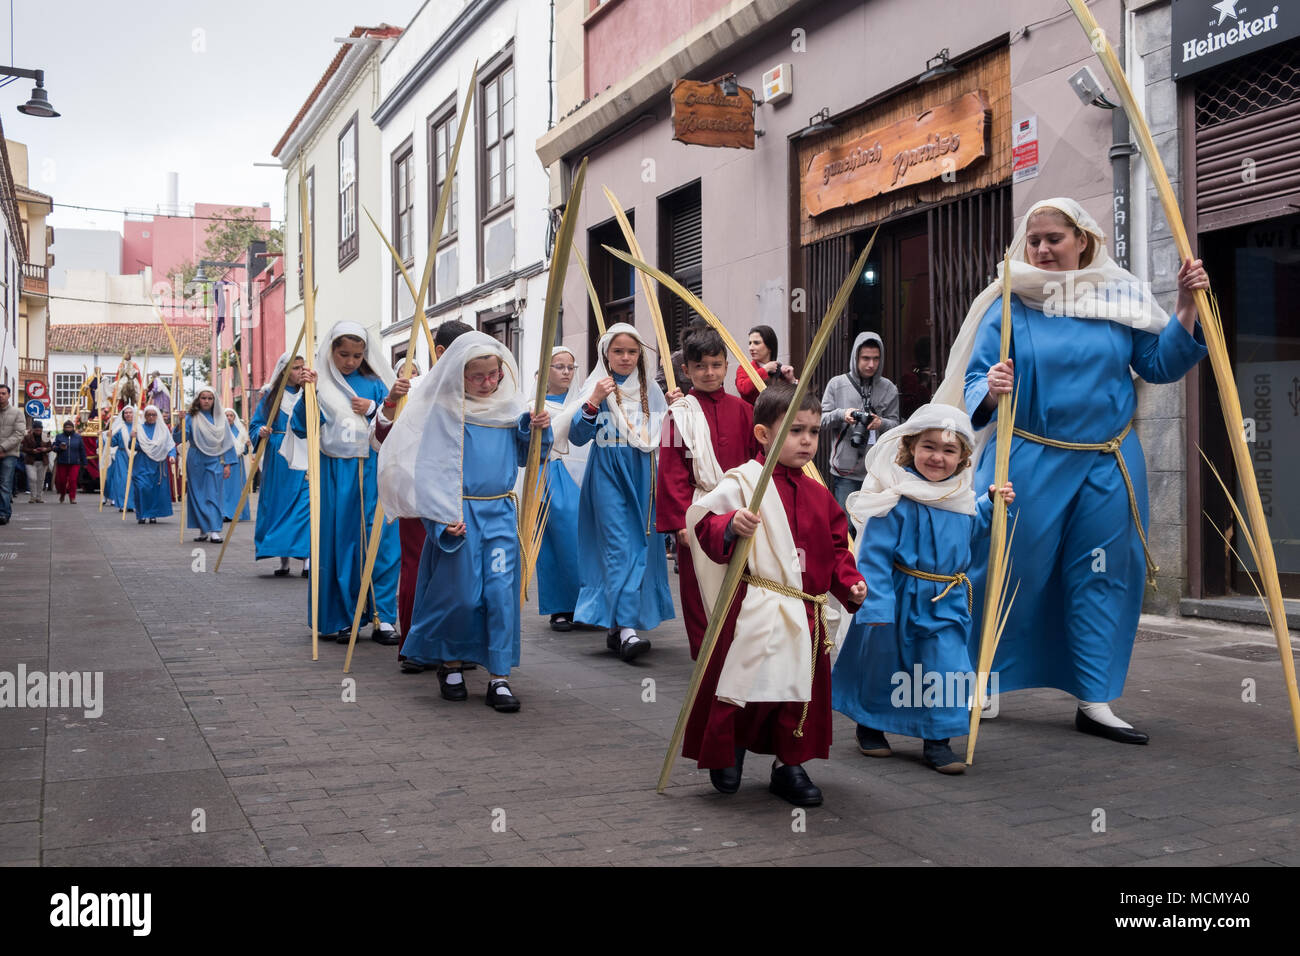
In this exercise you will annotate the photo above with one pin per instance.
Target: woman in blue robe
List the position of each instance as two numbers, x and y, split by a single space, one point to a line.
1079 324
208 463
622 569
150 487
350 389
283 527
557 562
115 480
233 487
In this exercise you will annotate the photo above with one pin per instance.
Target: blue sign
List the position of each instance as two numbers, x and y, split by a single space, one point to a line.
37 409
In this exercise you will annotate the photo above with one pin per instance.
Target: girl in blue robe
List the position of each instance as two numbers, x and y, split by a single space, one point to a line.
904 666
622 572
350 386
452 458
557 562
208 463
233 487
283 527
1079 324
115 480
150 487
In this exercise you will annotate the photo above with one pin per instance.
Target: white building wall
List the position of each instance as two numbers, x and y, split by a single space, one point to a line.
524 27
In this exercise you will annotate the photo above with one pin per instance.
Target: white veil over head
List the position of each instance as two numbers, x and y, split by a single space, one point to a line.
887 481
573 456
1101 289
421 463
345 434
162 442
211 436
624 404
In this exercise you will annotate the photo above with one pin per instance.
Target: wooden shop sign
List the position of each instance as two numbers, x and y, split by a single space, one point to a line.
705 116
941 140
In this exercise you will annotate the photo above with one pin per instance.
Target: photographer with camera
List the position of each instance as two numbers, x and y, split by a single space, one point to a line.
857 407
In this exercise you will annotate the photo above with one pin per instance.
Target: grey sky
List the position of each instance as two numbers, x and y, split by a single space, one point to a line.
138 99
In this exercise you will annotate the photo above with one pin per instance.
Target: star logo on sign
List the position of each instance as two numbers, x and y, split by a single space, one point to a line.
1226 8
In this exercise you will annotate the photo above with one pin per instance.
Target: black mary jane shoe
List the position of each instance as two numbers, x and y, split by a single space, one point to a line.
153 520
790 782
506 703
628 650
344 636
456 691
1121 735
139 521
281 572
561 622
385 635
727 780
409 666
202 537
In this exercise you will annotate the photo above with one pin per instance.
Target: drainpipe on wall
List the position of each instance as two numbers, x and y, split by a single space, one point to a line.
1120 150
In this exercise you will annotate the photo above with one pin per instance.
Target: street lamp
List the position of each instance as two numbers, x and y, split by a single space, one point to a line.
39 103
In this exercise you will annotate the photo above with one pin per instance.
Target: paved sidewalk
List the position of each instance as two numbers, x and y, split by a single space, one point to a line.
221 742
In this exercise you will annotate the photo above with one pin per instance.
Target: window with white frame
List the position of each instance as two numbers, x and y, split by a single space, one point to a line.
67 389
348 245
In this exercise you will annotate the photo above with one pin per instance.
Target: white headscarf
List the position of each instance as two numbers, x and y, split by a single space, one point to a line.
345 434
118 424
1100 290
887 481
211 436
421 463
626 414
573 456
162 442
287 398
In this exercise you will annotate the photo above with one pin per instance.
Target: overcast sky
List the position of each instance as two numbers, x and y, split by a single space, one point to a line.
142 93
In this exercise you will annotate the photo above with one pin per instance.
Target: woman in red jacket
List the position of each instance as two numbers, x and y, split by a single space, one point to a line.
762 352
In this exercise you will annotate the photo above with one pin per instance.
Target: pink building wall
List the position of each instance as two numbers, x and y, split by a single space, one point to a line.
167 241
623 34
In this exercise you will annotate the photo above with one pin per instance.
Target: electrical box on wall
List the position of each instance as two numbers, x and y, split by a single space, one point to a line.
778 83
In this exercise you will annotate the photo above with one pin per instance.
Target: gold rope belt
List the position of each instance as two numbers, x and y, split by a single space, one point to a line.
952 580
820 630
1111 447
513 500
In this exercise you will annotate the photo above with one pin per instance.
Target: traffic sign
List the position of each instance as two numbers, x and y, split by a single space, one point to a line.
36 389
38 409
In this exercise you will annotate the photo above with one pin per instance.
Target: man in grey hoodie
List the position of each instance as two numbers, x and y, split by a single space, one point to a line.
860 389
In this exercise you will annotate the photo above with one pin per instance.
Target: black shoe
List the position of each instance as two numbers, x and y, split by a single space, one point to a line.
139 521
385 634
630 649
281 572
727 780
872 743
790 782
304 572
344 636
202 537
937 754
151 520
409 666
451 691
561 622
1122 735
506 703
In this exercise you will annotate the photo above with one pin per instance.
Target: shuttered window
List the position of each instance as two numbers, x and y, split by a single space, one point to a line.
682 254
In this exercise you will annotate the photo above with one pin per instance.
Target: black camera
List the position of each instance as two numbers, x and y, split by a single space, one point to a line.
859 432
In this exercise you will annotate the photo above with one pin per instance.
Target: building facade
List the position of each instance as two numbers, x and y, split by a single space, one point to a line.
335 145
491 259
34 300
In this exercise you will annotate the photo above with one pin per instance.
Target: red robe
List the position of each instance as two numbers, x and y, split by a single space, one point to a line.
715 728
411 532
745 385
731 430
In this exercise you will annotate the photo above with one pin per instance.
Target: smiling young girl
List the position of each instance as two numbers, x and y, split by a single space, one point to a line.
621 567
351 381
918 518
207 464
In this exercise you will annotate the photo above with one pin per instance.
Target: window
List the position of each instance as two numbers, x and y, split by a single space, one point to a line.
498 114
442 139
504 327
403 168
614 279
681 253
311 217
348 245
67 389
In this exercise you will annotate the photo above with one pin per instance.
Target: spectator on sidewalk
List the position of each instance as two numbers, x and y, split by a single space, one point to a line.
69 456
12 427
36 451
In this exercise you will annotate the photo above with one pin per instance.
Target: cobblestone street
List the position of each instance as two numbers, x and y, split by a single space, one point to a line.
214 714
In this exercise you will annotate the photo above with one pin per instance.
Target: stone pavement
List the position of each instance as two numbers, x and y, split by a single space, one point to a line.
221 742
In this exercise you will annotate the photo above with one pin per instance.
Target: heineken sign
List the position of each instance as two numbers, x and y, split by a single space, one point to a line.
1208 33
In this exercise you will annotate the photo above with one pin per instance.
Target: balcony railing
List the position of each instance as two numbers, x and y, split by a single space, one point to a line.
36 279
31 366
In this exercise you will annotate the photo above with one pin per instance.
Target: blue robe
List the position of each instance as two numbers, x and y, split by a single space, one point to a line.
623 572
115 481
283 506
151 491
233 487
203 475
557 562
346 521
1076 549
467 589
901 637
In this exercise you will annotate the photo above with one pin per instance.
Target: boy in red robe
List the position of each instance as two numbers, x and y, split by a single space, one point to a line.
768 683
708 433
